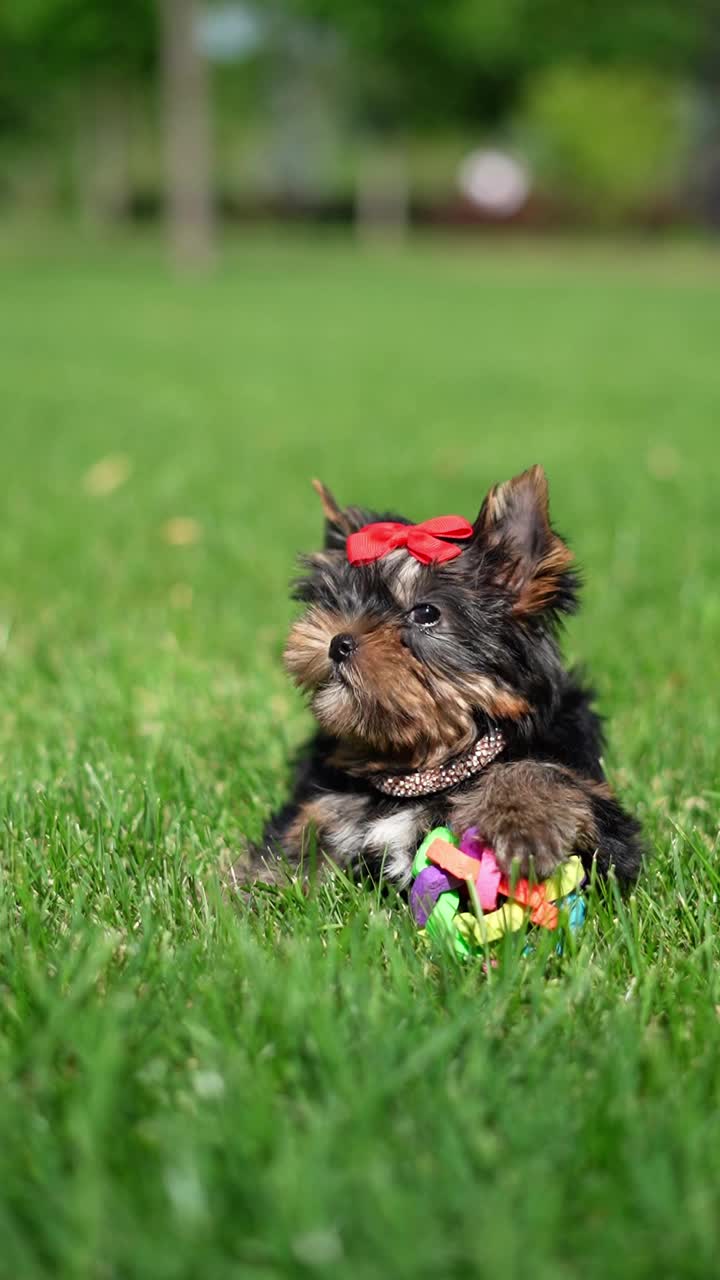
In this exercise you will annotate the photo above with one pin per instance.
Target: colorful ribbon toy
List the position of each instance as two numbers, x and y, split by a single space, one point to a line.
421 540
448 879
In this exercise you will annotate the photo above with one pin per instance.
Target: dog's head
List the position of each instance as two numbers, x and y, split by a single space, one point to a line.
409 661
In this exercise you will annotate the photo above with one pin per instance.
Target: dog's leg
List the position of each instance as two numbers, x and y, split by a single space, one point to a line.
297 839
290 836
535 815
620 843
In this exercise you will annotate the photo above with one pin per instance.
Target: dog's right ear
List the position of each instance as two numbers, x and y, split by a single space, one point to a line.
339 522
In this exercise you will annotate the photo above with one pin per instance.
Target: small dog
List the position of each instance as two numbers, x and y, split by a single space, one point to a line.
431 657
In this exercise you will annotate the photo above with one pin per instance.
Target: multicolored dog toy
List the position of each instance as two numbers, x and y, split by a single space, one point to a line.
460 892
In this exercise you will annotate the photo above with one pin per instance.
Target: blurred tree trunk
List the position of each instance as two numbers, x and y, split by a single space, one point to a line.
104 151
186 127
382 194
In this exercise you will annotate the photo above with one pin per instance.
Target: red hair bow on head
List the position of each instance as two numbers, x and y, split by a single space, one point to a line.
421 540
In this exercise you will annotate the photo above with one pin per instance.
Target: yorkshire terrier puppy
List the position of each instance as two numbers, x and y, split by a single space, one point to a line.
430 655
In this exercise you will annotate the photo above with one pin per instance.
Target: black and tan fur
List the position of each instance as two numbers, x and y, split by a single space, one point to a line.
442 653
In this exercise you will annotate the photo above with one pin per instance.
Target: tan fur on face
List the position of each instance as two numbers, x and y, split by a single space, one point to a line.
388 704
496 702
414 711
306 652
386 698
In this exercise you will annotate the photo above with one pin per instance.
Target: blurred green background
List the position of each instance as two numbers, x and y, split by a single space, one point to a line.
339 111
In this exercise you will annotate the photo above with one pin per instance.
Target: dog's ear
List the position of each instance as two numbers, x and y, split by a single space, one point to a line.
532 560
339 521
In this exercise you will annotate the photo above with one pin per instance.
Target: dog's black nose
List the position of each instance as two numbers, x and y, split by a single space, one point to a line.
342 647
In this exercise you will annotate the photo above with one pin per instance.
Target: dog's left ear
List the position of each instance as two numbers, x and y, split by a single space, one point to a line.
533 561
339 521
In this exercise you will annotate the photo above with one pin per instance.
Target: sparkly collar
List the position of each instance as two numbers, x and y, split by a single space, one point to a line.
423 782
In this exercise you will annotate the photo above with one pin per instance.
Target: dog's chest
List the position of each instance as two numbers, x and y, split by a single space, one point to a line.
385 841
393 839
364 831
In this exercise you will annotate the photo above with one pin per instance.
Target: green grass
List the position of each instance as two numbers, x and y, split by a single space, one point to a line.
187 1090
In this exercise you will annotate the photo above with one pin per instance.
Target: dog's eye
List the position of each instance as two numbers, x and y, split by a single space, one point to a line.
425 615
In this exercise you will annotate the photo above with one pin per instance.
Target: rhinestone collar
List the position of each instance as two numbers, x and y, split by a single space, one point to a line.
422 782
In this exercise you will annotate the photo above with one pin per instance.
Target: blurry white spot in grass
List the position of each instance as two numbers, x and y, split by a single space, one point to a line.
150 701
186 1193
318 1248
153 1072
107 475
150 728
696 802
208 1084
181 595
663 461
182 531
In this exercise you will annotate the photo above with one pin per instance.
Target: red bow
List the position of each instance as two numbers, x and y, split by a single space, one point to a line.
422 540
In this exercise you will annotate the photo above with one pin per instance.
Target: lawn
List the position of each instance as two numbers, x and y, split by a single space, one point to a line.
191 1090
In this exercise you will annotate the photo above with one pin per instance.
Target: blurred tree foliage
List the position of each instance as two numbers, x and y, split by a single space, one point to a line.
71 72
45 44
596 84
419 61
611 136
412 61
408 66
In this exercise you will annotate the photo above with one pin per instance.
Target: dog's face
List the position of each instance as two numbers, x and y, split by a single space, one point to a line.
408 662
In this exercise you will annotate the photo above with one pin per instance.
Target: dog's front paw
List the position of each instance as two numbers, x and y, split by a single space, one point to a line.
536 848
531 814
